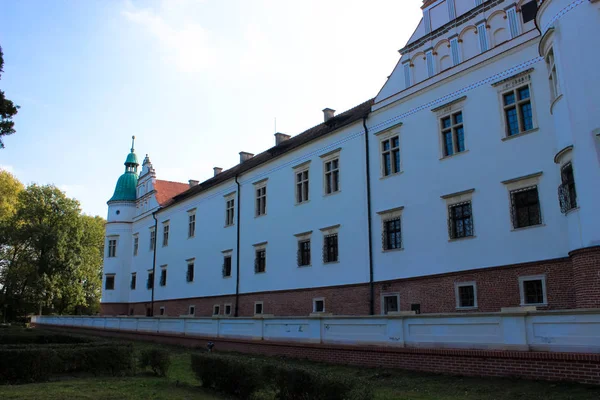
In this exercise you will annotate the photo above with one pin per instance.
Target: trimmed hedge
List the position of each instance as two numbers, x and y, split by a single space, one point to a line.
26 337
250 378
37 363
157 359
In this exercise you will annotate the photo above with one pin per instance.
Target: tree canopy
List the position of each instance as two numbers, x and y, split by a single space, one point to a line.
7 110
50 253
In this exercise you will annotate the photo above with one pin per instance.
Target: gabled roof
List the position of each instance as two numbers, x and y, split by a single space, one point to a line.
166 190
316 132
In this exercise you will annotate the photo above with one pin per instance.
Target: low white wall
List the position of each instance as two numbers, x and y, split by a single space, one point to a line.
559 331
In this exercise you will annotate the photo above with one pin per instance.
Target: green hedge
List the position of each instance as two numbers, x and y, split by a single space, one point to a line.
246 378
37 363
157 359
27 337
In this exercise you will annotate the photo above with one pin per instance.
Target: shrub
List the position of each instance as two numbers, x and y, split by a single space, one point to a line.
157 359
32 337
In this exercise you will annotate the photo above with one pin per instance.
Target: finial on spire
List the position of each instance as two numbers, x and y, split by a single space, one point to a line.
132 141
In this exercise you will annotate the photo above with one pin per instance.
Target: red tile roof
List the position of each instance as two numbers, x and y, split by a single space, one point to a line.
166 190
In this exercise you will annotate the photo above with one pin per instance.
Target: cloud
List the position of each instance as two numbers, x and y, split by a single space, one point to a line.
187 44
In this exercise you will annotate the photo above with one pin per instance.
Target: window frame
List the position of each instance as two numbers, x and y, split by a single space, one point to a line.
227 254
329 158
457 286
454 200
113 242
260 198
163 276
383 296
514 210
216 310
190 313
517 184
150 282
262 308
453 130
394 153
191 223
166 229
190 263
318 299
302 186
329 232
550 61
567 190
229 209
136 244
162 311
225 308
260 248
387 216
152 238
133 281
112 279
529 278
516 105
300 239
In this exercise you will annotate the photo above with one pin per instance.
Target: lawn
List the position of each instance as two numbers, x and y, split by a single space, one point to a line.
390 385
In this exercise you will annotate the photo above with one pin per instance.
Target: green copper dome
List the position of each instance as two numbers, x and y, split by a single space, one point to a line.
127 183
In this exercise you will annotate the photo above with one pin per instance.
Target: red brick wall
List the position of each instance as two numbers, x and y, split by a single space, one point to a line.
572 367
586 277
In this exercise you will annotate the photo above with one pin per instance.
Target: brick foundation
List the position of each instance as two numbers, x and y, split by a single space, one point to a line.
497 287
570 367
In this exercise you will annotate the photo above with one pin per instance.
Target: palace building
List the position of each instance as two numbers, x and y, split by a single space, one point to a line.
470 182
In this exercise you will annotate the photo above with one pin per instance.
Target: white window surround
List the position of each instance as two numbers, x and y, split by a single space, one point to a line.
523 279
257 248
260 199
136 244
216 309
512 84
262 308
387 215
456 198
523 182
456 294
191 223
192 310
384 136
448 110
112 244
329 157
229 209
302 182
166 233
384 295
318 299
225 306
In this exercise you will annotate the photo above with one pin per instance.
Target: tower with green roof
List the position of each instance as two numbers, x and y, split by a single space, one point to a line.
127 183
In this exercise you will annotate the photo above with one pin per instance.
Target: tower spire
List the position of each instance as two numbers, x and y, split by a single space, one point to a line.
132 142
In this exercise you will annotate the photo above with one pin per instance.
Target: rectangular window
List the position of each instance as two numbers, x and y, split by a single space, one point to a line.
260 260
406 74
390 303
466 295
216 309
455 51
517 110
304 252
150 281
318 305
451 9
152 239
533 290
191 225
258 308
189 276
390 155
332 176
525 207
261 200
483 40
330 248
566 191
166 235
133 283
136 245
552 78
163 277
226 266
229 212
429 60
227 309
302 186
112 248
460 220
392 234
529 11
453 134
513 24
427 21
110 282
162 311
416 308
192 311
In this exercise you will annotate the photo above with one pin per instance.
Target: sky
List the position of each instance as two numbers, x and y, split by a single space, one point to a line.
196 81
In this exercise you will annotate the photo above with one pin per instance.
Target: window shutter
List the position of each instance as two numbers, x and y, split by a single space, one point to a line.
451 9
427 21
407 74
455 51
482 32
513 23
429 56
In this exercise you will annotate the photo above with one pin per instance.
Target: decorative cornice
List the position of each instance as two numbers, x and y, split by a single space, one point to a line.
451 195
500 82
522 178
438 108
561 153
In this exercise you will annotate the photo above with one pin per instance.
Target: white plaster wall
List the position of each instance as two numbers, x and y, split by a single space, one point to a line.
118 265
439 15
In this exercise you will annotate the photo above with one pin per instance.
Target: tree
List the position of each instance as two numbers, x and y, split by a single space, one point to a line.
7 110
10 187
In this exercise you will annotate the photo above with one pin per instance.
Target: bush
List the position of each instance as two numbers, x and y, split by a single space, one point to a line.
261 379
157 359
32 337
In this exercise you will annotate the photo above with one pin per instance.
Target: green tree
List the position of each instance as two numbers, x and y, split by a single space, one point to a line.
7 110
10 187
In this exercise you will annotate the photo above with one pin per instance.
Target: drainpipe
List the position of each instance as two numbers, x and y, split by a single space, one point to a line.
371 285
154 261
237 250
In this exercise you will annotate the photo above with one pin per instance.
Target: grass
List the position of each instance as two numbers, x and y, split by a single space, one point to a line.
390 385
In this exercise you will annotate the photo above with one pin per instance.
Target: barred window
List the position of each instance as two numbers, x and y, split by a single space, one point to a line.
392 234
229 212
191 225
533 289
166 235
150 281
453 134
390 303
261 201
226 266
466 295
136 245
390 155
525 207
460 220
163 277
152 239
133 283
567 195
302 186
260 261
332 176
112 248
189 276
330 248
304 252
109 284
517 110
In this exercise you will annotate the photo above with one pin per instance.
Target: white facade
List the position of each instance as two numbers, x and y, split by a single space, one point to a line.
462 62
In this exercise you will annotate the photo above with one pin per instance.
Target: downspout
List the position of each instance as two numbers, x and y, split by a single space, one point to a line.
154 262
237 250
368 172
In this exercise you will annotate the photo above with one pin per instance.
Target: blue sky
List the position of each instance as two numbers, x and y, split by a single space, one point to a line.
196 81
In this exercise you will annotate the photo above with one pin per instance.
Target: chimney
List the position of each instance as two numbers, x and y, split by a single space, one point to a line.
280 138
245 156
328 113
193 182
217 170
